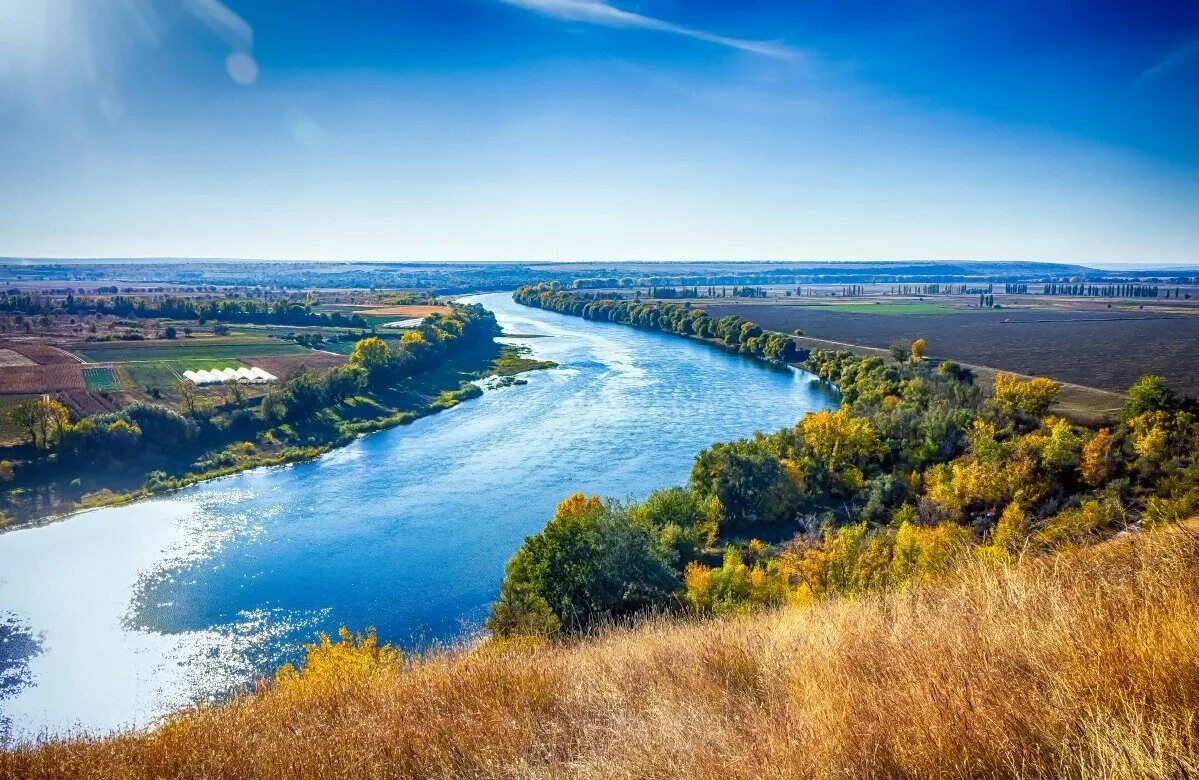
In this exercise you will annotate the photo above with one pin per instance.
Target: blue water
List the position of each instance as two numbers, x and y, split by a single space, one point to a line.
114 617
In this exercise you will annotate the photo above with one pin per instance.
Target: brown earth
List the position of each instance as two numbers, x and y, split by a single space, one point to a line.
1105 350
41 353
287 366
41 379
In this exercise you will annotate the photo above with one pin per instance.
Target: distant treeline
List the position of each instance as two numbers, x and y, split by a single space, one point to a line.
448 278
731 331
237 310
1104 291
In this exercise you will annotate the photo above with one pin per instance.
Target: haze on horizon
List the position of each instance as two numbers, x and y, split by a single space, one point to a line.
595 129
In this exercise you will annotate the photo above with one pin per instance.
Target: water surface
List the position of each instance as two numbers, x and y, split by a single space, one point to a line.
114 617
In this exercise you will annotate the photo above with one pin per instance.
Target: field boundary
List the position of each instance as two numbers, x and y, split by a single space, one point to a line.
1079 403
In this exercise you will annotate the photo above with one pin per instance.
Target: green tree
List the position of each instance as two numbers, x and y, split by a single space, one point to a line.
592 561
1149 394
749 483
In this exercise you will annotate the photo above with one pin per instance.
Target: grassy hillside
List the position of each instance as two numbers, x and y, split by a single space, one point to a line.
1077 665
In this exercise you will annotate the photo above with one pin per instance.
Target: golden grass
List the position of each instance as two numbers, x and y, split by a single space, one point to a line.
1078 666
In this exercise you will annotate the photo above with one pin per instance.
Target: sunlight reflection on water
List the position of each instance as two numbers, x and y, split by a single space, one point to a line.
121 615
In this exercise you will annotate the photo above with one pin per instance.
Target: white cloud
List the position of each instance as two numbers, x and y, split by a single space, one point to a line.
223 21
597 12
1173 59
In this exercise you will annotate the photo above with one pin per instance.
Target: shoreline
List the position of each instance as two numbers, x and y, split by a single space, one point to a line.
506 364
1081 404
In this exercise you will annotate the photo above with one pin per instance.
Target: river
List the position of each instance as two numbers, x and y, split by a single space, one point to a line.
114 617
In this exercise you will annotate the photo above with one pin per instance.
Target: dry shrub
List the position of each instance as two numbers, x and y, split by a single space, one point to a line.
1074 666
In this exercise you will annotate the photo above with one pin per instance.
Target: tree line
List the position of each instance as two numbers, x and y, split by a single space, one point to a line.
149 431
917 471
1104 290
281 311
730 331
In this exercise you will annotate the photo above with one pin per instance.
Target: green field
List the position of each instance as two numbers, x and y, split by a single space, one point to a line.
209 349
166 373
99 379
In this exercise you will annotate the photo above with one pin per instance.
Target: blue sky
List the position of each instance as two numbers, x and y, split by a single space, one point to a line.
588 130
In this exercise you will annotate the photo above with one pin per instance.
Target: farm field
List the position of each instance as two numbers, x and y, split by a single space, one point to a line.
1107 350
403 311
166 373
888 308
100 379
200 349
287 366
41 379
37 352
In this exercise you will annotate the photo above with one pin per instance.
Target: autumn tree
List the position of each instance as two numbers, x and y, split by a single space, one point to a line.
373 355
43 420
1062 448
1033 396
1097 461
1009 533
919 350
842 443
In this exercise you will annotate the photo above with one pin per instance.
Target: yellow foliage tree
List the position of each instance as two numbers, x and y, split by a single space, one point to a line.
578 505
1033 396
1095 465
697 586
1062 448
840 441
1078 524
43 419
371 353
964 482
919 350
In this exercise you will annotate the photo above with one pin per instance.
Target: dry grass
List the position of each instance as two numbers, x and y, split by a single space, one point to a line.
1079 666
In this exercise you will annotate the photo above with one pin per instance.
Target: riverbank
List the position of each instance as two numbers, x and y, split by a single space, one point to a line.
161 603
241 449
1078 403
